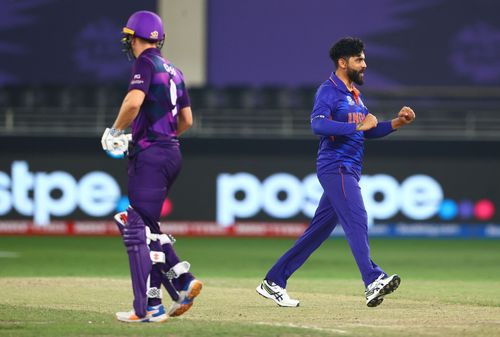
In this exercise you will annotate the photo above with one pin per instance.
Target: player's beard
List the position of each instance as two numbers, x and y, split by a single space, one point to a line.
355 76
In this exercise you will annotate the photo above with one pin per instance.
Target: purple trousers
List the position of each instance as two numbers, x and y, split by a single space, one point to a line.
341 203
151 174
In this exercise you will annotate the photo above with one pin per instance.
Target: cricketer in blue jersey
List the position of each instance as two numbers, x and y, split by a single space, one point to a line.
157 108
343 121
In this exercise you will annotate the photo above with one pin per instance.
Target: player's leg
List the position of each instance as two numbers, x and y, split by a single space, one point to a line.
343 190
146 286
320 228
182 287
147 197
135 240
322 224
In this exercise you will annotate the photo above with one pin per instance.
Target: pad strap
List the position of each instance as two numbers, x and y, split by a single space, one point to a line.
154 293
157 257
177 270
163 238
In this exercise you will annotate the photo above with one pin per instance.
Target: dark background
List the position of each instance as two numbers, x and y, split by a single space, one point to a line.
465 170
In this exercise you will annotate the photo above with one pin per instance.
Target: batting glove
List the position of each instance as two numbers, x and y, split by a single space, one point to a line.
115 141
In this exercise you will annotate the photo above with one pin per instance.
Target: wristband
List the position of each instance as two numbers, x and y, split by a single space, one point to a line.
116 132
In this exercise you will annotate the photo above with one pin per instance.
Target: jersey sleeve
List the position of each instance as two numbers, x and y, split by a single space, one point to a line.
142 72
381 130
321 123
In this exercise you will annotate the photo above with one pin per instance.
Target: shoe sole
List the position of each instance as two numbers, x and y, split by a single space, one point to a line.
153 319
158 319
195 291
386 290
375 302
265 294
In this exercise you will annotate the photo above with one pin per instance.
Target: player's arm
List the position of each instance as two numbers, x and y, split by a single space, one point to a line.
327 127
140 81
383 129
184 120
322 125
129 109
114 139
185 115
405 116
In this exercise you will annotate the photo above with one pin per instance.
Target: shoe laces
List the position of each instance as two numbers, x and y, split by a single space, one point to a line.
375 285
277 287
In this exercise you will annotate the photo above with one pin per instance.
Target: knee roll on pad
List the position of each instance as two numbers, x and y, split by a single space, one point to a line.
133 236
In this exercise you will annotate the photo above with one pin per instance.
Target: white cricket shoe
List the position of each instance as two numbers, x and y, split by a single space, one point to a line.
186 298
274 292
153 314
382 286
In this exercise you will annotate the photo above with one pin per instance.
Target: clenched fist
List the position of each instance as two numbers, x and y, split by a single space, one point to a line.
368 123
406 115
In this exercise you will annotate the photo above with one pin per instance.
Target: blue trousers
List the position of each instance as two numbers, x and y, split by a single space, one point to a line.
342 203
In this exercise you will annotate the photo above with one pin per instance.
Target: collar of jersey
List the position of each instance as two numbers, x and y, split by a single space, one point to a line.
337 82
151 50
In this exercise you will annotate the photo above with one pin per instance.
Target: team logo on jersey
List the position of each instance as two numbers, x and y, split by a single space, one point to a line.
350 100
137 76
154 34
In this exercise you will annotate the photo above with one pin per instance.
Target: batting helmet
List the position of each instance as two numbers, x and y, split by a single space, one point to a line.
146 25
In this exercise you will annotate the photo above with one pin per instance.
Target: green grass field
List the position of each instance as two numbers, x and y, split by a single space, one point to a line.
51 286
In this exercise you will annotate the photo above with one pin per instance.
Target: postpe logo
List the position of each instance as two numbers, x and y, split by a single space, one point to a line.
282 195
96 193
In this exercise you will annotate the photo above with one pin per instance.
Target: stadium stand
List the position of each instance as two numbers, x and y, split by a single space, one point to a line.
260 112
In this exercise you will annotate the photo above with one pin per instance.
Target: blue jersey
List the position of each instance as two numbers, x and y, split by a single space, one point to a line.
166 94
335 102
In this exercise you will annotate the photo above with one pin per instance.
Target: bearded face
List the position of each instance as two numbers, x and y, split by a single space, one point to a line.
355 68
357 76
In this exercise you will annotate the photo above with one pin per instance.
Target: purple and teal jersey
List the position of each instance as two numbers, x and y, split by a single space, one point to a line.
166 94
335 114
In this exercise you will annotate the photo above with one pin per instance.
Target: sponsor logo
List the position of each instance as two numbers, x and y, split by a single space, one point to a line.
284 196
58 193
136 79
350 100
154 34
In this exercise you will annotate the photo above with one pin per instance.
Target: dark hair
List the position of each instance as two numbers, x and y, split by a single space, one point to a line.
346 47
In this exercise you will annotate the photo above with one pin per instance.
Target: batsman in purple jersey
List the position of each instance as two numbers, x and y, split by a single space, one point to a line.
343 121
157 108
